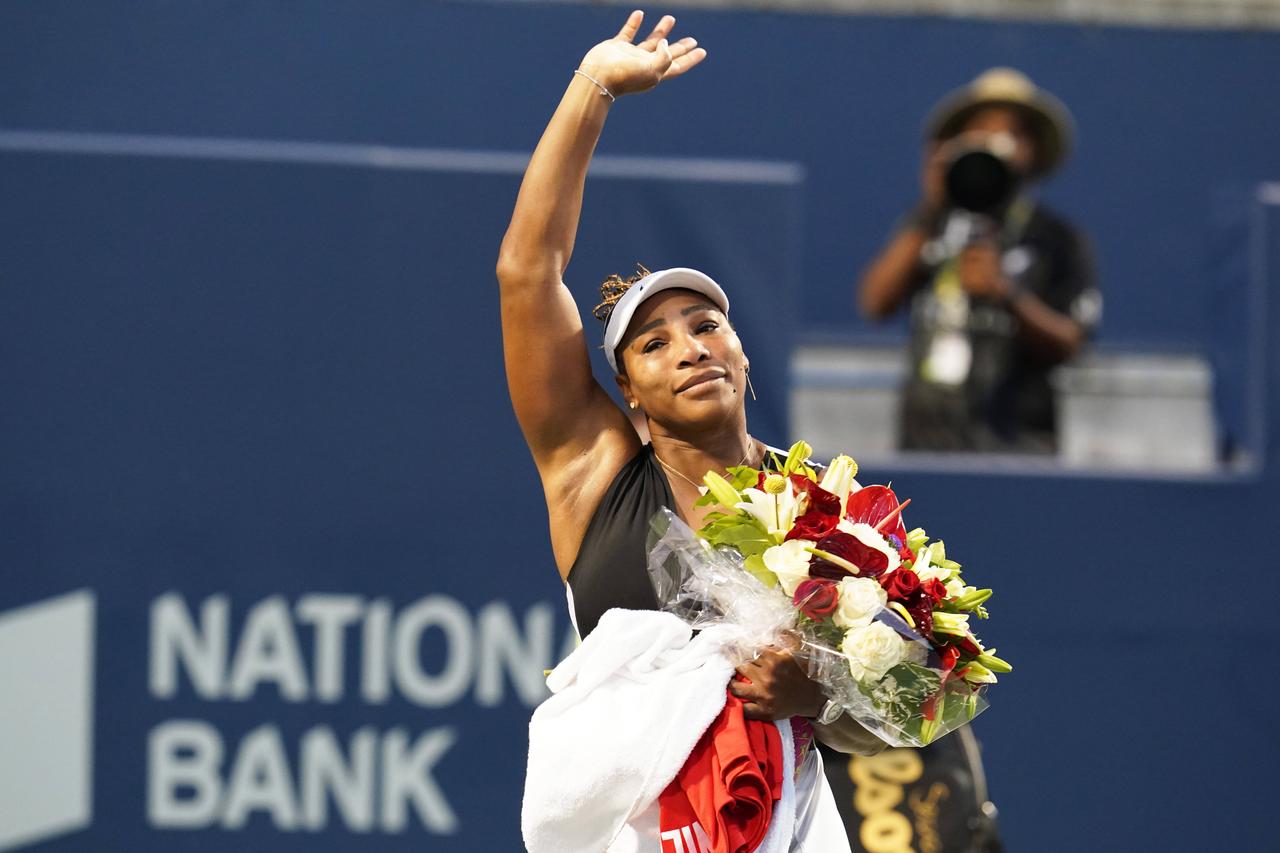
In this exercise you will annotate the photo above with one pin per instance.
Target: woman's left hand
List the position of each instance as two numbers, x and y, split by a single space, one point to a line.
776 688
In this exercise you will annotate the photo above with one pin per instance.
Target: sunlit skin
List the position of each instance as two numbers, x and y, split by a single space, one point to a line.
684 366
579 438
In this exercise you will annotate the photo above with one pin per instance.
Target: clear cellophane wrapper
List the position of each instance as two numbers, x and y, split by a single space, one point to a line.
913 704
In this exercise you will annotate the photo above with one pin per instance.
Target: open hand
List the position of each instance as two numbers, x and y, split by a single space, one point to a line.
623 67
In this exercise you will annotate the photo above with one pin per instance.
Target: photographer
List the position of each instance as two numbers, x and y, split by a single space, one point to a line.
1001 290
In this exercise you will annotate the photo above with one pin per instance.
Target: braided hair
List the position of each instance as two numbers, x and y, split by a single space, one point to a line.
614 288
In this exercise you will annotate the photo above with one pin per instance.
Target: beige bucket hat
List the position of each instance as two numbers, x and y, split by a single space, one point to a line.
1050 121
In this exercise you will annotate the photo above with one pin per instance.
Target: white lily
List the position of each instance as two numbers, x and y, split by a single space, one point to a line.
775 512
838 479
976 673
927 571
955 624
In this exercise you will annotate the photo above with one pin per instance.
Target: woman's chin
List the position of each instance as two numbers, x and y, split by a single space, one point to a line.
705 411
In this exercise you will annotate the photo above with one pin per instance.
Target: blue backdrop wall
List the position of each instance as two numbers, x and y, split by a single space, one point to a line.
256 443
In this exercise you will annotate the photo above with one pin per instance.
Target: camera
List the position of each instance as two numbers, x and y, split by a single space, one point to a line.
980 176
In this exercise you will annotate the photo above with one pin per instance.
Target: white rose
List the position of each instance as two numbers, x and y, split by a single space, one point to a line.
860 600
872 650
867 535
790 562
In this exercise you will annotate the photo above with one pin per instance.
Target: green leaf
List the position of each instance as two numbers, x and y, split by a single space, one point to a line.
750 538
744 477
756 567
739 531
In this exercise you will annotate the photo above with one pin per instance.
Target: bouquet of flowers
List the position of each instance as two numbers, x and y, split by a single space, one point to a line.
881 614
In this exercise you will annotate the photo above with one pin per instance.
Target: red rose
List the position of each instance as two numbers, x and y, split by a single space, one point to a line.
817 598
935 589
901 584
813 525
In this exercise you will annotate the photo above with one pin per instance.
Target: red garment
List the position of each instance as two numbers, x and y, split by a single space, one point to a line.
722 798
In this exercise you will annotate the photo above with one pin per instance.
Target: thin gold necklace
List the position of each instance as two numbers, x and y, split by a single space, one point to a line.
751 442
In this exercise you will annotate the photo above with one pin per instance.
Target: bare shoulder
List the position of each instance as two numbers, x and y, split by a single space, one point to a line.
576 477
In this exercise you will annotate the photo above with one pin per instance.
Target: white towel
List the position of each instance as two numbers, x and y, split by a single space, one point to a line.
627 708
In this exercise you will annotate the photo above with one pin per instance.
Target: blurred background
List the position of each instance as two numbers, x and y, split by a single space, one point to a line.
274 570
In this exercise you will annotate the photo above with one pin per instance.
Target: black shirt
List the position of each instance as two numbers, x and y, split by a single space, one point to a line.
611 566
973 383
611 569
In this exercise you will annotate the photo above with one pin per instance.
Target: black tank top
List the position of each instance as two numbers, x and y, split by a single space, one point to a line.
611 568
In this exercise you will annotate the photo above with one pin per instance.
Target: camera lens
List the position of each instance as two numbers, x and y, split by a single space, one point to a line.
980 180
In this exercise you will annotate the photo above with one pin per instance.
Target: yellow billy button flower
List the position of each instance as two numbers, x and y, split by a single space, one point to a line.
775 484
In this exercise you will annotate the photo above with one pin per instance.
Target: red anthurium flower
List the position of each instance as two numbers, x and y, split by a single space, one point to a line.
870 562
817 598
871 505
901 584
819 498
827 570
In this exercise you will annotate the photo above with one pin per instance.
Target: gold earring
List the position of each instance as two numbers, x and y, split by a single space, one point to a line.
746 371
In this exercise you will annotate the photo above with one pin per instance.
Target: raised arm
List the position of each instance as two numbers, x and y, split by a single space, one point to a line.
548 371
886 281
564 414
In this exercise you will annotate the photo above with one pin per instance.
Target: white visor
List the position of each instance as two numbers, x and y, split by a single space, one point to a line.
656 282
